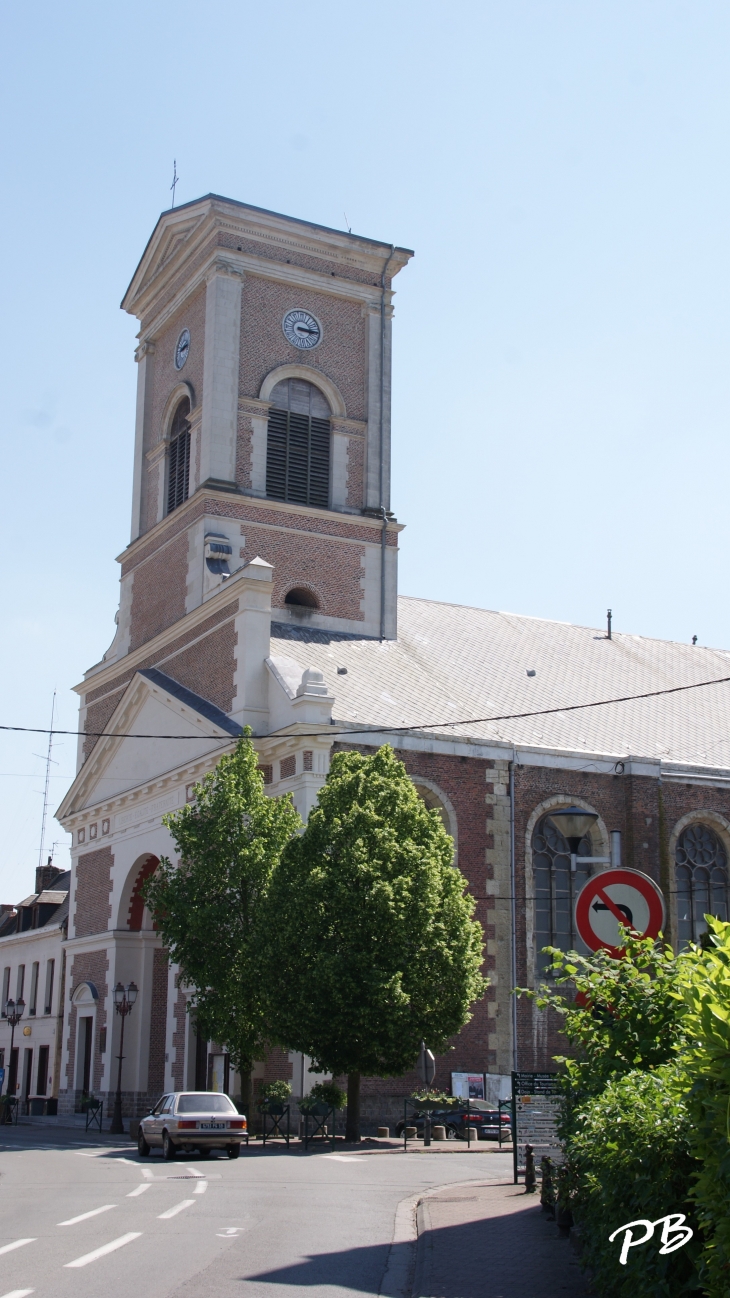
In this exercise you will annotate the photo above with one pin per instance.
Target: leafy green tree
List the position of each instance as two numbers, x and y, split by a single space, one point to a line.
372 946
208 907
618 1015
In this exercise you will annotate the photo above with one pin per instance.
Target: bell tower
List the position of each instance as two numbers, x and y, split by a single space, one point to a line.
263 420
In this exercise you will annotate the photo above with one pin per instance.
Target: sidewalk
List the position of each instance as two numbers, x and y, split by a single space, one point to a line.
492 1241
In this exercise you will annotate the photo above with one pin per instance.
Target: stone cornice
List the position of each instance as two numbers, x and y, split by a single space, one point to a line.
144 796
157 532
179 234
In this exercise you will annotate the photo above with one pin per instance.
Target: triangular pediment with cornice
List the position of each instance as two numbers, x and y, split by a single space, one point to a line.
182 728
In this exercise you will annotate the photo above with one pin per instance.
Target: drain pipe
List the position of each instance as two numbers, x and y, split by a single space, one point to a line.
513 888
381 487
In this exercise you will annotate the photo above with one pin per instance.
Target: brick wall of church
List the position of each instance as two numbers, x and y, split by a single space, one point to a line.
331 569
629 803
180 1016
158 592
341 355
206 666
93 887
158 1024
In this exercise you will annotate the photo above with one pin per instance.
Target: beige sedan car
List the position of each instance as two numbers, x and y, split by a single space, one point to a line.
185 1120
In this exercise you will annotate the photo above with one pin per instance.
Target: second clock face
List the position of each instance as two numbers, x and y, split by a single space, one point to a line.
182 348
302 330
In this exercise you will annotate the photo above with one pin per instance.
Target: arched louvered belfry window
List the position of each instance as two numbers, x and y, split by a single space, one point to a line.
702 881
178 459
556 890
298 447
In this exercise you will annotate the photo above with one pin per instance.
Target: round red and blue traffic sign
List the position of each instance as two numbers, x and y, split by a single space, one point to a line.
618 897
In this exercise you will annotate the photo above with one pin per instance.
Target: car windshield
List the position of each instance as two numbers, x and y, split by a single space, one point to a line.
204 1102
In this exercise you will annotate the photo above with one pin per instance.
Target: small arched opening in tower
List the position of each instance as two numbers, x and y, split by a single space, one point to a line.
299 597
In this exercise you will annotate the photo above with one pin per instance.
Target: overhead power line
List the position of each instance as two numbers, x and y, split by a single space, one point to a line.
399 730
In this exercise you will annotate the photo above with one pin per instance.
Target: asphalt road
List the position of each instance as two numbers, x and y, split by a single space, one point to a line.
94 1219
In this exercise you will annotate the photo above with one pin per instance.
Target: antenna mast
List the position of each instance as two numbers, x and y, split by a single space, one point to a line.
175 179
48 776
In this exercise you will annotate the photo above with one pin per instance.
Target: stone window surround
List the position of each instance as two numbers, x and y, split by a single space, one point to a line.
601 846
713 820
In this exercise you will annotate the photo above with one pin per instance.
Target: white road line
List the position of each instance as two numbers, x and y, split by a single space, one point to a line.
342 1158
201 1187
105 1248
194 1172
84 1216
140 1190
147 1173
18 1293
172 1212
18 1243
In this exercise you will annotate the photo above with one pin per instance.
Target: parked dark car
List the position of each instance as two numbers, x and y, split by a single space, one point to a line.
482 1119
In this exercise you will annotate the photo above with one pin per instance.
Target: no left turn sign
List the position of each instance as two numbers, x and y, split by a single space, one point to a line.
618 897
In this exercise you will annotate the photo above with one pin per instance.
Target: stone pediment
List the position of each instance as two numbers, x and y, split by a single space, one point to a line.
169 244
183 727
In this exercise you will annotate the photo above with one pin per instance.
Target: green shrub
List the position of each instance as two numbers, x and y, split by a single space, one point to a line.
627 1014
706 1058
274 1092
324 1093
629 1157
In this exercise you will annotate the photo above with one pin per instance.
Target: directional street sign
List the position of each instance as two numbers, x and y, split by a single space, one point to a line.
618 897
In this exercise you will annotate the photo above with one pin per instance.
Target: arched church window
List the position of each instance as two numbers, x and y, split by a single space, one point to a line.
298 445
702 881
178 460
556 890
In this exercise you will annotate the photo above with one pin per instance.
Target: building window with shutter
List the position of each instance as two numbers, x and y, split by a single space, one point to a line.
298 445
702 881
178 458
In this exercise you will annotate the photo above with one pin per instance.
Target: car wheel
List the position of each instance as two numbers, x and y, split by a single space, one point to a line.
169 1150
399 1129
143 1148
234 1151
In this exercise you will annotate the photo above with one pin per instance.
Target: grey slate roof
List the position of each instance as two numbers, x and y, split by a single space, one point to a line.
456 663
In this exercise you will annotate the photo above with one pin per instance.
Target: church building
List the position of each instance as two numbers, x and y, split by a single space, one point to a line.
259 587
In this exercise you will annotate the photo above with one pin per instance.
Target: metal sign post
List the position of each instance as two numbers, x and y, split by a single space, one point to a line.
427 1069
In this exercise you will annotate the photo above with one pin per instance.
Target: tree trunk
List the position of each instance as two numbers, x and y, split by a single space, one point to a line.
246 1096
352 1127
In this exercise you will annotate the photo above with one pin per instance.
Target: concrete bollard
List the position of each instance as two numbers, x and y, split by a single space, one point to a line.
438 1133
411 1133
383 1133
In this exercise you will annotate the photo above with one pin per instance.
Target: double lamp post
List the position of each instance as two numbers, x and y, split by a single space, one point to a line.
13 1013
124 998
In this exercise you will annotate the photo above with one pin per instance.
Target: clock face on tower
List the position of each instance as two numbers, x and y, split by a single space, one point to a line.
182 348
302 330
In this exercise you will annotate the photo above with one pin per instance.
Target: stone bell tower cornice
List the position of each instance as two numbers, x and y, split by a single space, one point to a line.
185 233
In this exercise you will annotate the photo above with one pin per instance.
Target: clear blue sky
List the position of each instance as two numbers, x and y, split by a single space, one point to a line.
561 396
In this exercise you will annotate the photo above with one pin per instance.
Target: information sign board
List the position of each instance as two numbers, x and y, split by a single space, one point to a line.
536 1106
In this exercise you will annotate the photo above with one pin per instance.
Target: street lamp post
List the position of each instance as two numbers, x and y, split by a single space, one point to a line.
13 1013
124 998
